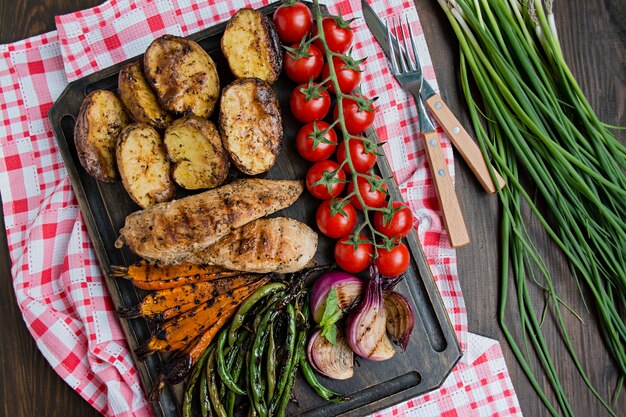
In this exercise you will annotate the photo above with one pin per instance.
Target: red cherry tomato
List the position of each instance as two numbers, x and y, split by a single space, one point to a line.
351 260
337 225
301 70
338 39
393 262
362 161
371 197
398 226
324 169
357 121
293 22
307 111
305 142
347 78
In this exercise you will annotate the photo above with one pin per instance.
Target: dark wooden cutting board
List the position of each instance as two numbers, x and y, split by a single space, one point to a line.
433 349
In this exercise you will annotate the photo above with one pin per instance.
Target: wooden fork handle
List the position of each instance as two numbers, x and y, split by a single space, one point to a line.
463 142
448 201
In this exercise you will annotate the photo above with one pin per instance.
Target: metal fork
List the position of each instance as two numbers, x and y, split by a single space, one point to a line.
409 74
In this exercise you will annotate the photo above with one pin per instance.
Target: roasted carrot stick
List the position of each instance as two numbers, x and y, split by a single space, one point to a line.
152 277
178 332
179 366
145 271
190 296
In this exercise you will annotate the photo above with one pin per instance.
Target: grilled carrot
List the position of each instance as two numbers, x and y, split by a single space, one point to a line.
185 297
178 332
145 271
179 365
180 281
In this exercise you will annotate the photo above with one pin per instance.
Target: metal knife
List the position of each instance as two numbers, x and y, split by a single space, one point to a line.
441 112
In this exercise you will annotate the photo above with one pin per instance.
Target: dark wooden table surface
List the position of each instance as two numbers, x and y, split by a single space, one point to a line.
593 34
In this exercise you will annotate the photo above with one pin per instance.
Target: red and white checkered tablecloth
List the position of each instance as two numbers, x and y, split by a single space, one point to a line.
57 281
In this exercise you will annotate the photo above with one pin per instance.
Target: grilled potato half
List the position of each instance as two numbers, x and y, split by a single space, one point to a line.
251 46
100 120
195 148
251 125
143 165
139 98
183 75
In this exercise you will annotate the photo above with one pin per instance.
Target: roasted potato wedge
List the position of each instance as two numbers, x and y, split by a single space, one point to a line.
195 148
143 165
183 76
251 46
139 98
251 125
100 120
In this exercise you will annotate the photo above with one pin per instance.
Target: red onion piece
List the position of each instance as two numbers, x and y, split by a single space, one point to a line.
400 317
348 288
335 361
366 327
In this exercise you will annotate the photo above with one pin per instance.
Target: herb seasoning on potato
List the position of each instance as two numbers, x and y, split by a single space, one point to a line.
183 75
251 125
195 148
139 98
100 120
251 46
143 165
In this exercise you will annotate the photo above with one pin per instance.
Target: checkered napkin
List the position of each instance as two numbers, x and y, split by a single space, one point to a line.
57 281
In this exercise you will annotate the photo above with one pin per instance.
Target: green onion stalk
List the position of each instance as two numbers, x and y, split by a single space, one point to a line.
532 120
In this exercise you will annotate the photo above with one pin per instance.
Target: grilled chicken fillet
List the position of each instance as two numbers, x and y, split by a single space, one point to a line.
171 232
278 245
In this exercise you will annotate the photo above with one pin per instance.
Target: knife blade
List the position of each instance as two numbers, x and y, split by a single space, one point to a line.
459 137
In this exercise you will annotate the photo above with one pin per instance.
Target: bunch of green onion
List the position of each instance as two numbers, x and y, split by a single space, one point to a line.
533 121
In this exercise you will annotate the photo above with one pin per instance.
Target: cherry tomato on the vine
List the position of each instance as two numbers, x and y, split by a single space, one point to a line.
362 160
331 176
394 262
397 225
335 225
357 120
293 22
313 144
308 102
373 195
348 74
352 259
337 32
301 68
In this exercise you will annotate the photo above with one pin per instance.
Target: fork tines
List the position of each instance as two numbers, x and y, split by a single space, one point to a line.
407 62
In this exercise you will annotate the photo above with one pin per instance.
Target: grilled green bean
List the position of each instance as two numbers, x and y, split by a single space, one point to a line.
214 395
286 395
193 378
225 375
205 402
290 342
240 316
270 364
317 386
255 364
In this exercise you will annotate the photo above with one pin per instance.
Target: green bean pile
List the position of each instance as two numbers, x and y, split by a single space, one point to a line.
535 122
253 363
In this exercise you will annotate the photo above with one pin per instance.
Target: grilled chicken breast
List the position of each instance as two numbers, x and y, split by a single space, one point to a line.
278 245
171 232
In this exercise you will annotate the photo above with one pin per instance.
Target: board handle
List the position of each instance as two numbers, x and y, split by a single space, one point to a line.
448 201
463 142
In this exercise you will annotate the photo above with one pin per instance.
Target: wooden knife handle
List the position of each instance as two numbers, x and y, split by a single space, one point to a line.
448 201
463 142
